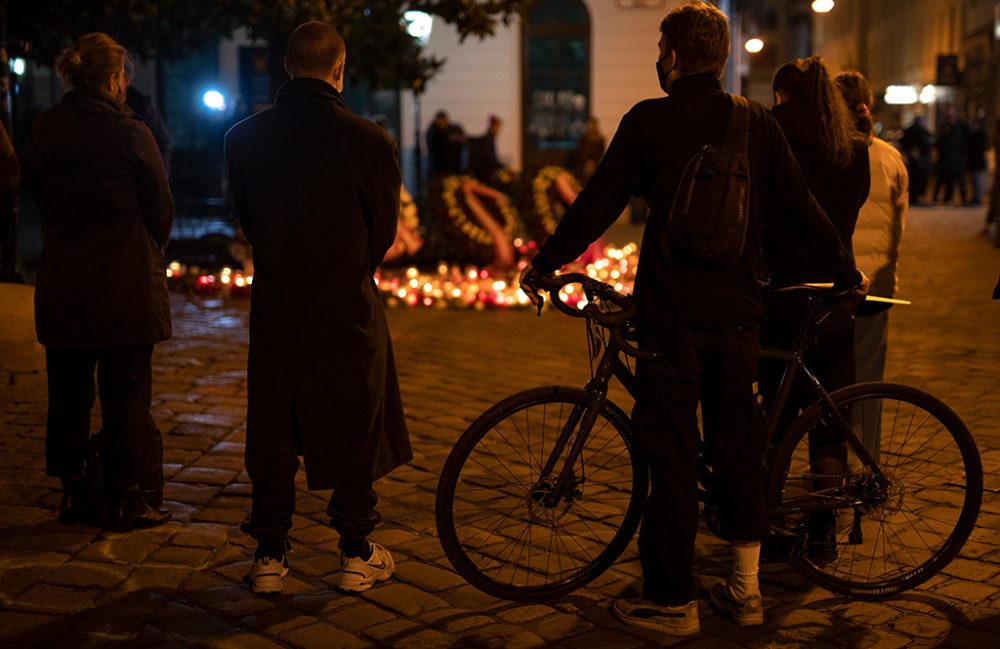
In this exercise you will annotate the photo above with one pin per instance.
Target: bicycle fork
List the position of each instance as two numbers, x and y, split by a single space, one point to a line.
581 421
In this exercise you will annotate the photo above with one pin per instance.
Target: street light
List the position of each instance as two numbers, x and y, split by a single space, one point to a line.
418 25
214 100
753 45
822 6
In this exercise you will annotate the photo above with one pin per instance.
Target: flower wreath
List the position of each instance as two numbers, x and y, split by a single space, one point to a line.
476 220
553 190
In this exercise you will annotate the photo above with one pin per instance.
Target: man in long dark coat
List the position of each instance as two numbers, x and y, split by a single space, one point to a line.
316 190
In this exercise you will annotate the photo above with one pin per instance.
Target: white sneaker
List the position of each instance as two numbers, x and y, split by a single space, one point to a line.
672 620
357 575
267 573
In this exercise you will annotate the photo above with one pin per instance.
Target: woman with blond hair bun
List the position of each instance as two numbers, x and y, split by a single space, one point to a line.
101 300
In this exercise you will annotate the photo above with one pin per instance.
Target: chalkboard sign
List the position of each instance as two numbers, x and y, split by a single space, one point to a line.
556 81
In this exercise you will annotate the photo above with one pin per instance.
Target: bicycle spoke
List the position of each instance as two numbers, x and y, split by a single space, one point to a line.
501 522
910 526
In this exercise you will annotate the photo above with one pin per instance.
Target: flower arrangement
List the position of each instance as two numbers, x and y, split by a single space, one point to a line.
475 220
553 190
409 239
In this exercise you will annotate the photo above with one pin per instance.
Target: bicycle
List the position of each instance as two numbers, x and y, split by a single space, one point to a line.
543 492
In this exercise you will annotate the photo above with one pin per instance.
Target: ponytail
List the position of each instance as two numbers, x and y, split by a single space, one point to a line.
807 81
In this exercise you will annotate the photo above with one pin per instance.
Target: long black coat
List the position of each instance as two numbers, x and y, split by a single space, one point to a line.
106 217
316 189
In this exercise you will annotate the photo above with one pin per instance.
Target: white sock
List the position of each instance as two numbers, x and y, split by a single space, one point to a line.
743 581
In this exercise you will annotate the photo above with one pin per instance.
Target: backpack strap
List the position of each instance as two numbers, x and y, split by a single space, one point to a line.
738 130
737 139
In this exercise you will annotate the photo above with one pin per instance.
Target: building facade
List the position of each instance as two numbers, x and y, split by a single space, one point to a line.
542 76
927 54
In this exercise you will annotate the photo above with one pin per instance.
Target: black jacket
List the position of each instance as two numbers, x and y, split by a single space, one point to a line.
840 192
145 109
316 190
646 158
106 217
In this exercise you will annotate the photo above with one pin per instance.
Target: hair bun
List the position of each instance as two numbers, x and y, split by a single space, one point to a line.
72 60
68 65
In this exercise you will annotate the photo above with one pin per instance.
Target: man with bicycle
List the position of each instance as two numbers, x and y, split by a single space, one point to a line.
703 321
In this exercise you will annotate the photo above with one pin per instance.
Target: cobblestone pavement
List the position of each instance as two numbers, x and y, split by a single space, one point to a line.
182 584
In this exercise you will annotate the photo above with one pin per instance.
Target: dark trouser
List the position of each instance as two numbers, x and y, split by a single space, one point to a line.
271 462
124 383
947 182
831 360
918 171
717 369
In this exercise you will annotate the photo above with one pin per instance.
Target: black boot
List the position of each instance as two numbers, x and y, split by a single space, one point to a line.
131 511
72 507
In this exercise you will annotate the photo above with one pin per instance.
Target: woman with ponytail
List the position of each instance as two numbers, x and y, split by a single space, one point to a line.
834 161
101 300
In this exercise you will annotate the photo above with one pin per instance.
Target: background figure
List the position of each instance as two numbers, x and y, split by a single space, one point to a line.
8 205
445 142
483 160
589 151
993 212
876 242
834 160
916 146
952 145
976 162
145 108
101 297
316 189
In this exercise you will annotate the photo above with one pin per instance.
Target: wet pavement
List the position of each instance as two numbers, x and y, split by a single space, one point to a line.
182 584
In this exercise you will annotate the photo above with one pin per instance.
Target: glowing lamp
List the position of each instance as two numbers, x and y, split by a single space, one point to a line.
900 95
822 6
419 25
753 45
214 100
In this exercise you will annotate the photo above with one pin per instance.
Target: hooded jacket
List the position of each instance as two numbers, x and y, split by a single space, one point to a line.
106 217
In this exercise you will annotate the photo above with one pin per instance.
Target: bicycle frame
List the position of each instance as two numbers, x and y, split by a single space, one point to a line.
794 366
582 419
610 365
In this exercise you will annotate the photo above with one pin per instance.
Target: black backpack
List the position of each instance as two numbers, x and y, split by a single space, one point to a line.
707 222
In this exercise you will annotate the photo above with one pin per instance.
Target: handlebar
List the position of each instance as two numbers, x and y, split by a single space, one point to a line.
614 321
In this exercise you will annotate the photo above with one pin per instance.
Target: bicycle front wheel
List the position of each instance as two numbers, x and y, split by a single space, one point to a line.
500 522
861 538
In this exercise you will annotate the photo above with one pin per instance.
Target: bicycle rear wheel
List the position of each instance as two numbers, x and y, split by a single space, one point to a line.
884 540
495 522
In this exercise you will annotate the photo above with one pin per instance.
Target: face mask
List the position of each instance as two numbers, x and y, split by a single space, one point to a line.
662 76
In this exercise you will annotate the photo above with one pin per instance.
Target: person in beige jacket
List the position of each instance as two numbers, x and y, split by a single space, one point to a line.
876 237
